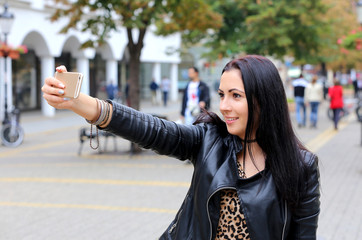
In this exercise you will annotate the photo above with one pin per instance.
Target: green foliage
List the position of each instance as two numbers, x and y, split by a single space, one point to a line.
100 17
276 28
353 41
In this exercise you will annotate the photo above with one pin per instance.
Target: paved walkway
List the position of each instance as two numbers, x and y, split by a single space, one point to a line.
340 154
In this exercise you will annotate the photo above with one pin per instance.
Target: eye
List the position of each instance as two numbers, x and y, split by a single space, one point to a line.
236 95
221 95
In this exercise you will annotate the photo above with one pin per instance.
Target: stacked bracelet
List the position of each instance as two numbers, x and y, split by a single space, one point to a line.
104 109
104 113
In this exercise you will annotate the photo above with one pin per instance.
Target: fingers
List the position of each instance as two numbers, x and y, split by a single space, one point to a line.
61 68
53 86
51 81
57 101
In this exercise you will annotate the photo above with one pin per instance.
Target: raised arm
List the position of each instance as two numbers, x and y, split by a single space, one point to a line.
162 136
165 137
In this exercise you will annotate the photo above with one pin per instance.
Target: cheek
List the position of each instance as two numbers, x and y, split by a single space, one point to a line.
243 110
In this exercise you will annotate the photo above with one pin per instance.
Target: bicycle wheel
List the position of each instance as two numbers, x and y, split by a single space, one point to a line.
12 135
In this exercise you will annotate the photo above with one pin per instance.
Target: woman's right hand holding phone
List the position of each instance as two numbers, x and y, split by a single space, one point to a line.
53 91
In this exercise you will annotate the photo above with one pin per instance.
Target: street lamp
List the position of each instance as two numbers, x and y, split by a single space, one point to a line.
6 22
359 11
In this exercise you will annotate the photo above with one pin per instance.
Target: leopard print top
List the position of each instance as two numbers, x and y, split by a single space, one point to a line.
232 224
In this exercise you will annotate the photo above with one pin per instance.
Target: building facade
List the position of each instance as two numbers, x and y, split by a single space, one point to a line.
48 49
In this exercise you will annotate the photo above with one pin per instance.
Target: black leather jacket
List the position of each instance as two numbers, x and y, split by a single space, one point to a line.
214 158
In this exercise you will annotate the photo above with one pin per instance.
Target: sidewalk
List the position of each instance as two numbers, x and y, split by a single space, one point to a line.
339 152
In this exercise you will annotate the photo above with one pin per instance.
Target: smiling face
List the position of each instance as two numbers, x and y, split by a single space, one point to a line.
233 102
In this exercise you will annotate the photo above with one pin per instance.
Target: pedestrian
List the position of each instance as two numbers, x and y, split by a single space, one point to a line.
112 90
253 178
314 96
165 86
153 88
195 98
355 86
336 97
126 94
359 85
299 85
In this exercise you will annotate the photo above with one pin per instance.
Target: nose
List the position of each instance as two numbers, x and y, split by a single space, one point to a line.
224 105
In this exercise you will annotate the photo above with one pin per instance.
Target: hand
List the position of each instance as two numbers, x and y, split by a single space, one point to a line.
53 91
202 104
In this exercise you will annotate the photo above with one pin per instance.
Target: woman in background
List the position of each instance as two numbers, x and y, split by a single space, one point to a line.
336 96
314 96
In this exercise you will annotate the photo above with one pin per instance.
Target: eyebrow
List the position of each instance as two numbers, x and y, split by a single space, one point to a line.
233 89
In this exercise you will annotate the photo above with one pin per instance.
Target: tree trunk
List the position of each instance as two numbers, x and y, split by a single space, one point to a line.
134 82
134 73
134 91
323 69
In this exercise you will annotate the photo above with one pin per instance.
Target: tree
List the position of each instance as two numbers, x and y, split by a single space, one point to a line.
100 17
343 20
269 27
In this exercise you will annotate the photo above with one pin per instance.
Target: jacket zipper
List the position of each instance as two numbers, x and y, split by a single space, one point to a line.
285 218
207 206
175 224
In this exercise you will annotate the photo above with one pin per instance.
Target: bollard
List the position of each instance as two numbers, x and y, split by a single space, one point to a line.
359 116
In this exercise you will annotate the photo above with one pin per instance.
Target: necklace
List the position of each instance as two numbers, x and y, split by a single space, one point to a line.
249 141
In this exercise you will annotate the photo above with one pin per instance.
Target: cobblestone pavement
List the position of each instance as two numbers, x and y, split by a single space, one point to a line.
48 191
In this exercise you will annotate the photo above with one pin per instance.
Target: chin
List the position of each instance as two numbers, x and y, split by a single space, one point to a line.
234 132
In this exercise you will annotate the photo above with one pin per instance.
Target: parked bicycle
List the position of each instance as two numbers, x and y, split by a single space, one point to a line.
12 134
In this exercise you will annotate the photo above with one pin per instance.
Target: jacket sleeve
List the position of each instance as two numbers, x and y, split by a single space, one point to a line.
162 136
305 216
184 101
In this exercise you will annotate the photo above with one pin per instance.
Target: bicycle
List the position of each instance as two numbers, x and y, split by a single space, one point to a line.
12 134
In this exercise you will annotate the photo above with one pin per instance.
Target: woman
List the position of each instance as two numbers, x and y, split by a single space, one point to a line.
336 95
252 178
314 95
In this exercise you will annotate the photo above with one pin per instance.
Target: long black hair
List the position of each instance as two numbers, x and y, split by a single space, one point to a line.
267 104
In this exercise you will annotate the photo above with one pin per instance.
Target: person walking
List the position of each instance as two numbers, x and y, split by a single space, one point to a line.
314 96
253 178
336 97
196 97
299 85
112 90
153 88
165 86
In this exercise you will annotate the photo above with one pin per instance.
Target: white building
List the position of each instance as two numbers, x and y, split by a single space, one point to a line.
48 49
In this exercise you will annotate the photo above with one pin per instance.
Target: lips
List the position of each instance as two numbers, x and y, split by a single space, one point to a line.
229 120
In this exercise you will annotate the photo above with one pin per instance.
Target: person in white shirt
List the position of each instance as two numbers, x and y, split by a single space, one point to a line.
313 96
196 97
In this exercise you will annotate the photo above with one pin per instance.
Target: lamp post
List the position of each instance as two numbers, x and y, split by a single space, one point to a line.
359 11
6 22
